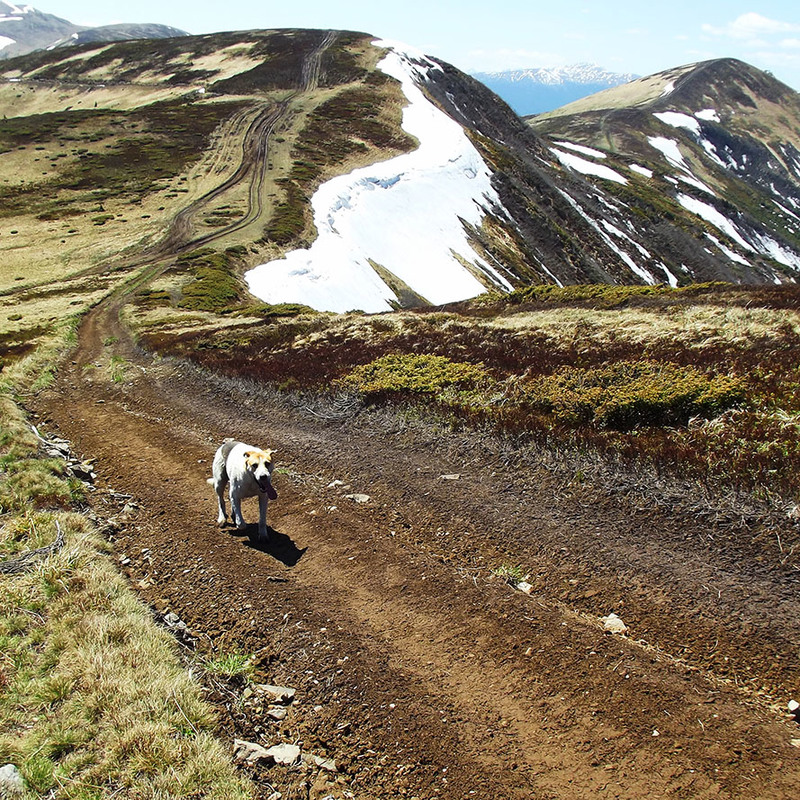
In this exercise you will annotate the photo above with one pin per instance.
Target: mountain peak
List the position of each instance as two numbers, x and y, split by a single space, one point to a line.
24 29
583 73
538 89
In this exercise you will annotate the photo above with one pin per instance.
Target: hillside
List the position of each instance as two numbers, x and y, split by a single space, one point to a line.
719 138
511 210
537 542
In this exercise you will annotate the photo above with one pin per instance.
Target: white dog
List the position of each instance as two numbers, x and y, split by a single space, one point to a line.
249 471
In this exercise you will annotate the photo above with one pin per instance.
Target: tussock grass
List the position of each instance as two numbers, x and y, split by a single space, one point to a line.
94 702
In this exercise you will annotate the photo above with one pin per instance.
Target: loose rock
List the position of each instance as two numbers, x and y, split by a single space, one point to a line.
358 498
284 754
280 694
277 713
327 764
11 782
613 624
249 752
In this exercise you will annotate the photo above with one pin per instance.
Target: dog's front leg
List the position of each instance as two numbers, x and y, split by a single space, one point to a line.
262 516
236 510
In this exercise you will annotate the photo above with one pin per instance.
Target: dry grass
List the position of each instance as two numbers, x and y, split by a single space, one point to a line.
94 701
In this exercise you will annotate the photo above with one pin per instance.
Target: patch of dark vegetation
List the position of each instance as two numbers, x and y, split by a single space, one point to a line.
215 288
173 135
126 60
609 296
62 125
146 147
722 408
153 298
16 344
282 55
341 62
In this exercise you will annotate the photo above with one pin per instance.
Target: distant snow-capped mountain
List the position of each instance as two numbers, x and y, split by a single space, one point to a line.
24 29
539 89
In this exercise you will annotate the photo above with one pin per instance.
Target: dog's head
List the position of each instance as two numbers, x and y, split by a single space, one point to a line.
259 464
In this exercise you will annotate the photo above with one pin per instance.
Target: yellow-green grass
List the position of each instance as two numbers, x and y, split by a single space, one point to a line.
94 700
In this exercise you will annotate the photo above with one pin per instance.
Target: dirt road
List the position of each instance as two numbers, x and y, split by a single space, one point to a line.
418 670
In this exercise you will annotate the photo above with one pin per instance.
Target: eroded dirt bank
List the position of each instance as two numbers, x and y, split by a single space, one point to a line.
420 672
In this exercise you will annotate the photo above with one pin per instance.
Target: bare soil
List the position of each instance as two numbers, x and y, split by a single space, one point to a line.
420 671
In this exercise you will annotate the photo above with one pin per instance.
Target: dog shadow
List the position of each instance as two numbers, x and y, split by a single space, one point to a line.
278 545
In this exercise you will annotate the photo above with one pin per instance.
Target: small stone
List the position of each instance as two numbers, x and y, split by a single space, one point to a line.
795 742
249 752
280 694
525 587
613 624
284 754
327 764
453 476
358 498
277 713
11 782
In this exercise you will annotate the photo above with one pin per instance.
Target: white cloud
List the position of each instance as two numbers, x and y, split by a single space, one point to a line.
752 26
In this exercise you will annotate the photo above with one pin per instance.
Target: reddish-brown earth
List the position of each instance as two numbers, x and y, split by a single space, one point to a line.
417 669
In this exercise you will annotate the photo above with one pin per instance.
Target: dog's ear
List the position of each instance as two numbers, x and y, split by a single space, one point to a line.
247 454
270 453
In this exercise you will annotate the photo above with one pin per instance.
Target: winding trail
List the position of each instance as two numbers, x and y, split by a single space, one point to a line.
416 668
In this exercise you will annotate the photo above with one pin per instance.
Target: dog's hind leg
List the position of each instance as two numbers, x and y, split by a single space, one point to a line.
222 517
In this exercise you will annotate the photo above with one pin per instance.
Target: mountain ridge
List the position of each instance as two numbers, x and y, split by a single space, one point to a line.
538 89
573 198
24 29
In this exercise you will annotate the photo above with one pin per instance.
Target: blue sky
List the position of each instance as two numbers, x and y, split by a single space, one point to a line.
640 37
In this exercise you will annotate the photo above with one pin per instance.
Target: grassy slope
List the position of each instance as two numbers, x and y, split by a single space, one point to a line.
94 699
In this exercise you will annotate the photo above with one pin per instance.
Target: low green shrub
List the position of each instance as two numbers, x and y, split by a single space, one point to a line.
429 374
629 394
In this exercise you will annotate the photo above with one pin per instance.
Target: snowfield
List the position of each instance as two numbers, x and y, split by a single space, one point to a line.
404 214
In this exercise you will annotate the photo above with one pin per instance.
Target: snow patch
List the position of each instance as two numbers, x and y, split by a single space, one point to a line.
579 148
778 252
648 173
668 89
634 267
406 215
587 167
708 114
5 41
716 218
671 279
670 150
678 120
733 256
